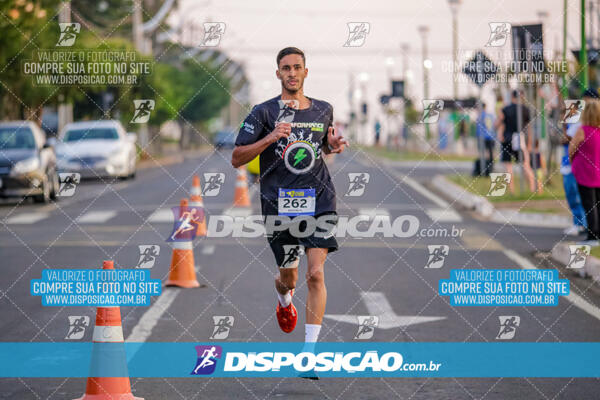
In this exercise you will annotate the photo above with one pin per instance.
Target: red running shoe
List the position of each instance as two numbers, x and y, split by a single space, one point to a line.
287 316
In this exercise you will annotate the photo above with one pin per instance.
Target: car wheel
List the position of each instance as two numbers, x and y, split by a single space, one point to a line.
55 186
45 196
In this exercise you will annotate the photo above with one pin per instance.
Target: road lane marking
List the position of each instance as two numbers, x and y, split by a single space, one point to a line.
208 249
443 215
574 298
95 217
26 218
238 212
423 191
143 329
476 239
162 215
378 304
372 212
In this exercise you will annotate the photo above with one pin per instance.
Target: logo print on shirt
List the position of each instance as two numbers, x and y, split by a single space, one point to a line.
300 155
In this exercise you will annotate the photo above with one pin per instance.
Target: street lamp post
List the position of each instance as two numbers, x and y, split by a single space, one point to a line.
454 5
424 31
583 62
405 47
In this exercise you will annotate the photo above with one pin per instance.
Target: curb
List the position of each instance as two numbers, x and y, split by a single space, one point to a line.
591 269
176 158
463 197
160 161
486 209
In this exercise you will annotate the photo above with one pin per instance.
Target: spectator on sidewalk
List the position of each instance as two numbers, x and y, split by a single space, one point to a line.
569 182
570 185
538 165
515 147
486 138
584 154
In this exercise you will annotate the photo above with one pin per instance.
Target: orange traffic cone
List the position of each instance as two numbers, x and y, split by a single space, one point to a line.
182 272
196 201
241 197
108 329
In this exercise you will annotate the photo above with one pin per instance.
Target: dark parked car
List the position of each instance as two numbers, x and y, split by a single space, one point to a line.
225 139
27 162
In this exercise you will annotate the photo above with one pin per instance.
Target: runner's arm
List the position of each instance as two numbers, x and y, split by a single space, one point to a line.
243 154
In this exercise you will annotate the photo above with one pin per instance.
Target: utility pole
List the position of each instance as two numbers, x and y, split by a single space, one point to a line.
583 63
454 4
65 110
139 43
424 30
563 87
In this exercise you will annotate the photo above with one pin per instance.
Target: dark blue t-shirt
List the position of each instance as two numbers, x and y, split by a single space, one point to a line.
294 162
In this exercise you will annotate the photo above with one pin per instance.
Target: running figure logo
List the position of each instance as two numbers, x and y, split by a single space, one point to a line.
77 325
499 32
573 109
358 183
212 183
148 255
223 324
499 182
142 111
213 31
207 359
68 183
68 33
292 253
431 111
287 111
578 255
357 33
185 224
437 255
508 326
366 326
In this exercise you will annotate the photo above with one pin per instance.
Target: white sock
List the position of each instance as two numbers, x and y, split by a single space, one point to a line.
311 332
284 299
310 337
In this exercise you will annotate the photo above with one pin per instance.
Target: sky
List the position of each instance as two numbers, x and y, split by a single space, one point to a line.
256 31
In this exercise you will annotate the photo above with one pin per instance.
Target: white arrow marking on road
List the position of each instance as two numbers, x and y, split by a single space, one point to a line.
377 304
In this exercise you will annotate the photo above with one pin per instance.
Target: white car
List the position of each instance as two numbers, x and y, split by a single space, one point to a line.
97 149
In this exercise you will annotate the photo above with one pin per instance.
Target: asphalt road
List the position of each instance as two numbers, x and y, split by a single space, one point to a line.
108 220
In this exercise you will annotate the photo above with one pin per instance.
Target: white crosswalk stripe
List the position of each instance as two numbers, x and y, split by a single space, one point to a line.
161 215
372 212
26 218
443 215
95 217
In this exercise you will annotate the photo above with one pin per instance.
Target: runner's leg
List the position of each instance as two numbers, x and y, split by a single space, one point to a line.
315 280
285 281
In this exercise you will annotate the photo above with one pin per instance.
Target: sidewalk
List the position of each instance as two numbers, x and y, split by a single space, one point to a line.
486 210
561 252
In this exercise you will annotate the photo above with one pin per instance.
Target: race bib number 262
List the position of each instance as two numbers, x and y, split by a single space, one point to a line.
296 202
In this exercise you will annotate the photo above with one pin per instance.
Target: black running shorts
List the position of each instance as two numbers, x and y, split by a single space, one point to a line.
283 243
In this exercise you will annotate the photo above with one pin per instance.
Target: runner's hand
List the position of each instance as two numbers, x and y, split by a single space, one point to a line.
282 130
336 141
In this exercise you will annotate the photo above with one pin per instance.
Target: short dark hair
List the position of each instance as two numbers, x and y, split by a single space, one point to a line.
290 50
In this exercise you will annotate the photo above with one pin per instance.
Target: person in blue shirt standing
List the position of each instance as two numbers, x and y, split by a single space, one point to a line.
486 137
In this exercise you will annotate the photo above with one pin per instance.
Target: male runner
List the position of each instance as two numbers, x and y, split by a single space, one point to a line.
291 162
